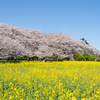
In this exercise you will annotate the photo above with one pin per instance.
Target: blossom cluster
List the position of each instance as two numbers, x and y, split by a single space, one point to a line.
17 42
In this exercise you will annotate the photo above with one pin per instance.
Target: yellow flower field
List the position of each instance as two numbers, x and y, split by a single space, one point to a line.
69 80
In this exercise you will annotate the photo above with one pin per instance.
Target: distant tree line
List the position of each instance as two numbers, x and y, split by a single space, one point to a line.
78 57
25 44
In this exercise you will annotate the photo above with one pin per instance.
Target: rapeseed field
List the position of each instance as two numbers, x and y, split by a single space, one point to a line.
68 80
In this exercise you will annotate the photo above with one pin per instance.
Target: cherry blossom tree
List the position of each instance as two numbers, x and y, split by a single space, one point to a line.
17 42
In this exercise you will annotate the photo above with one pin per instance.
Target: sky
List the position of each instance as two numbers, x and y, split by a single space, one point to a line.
75 18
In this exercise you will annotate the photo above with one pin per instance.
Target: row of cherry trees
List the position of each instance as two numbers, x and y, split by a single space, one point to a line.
17 42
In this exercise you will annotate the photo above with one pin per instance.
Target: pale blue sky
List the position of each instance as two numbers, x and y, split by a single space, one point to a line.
76 18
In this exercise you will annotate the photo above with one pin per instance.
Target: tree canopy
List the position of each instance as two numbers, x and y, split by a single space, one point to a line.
83 39
19 42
